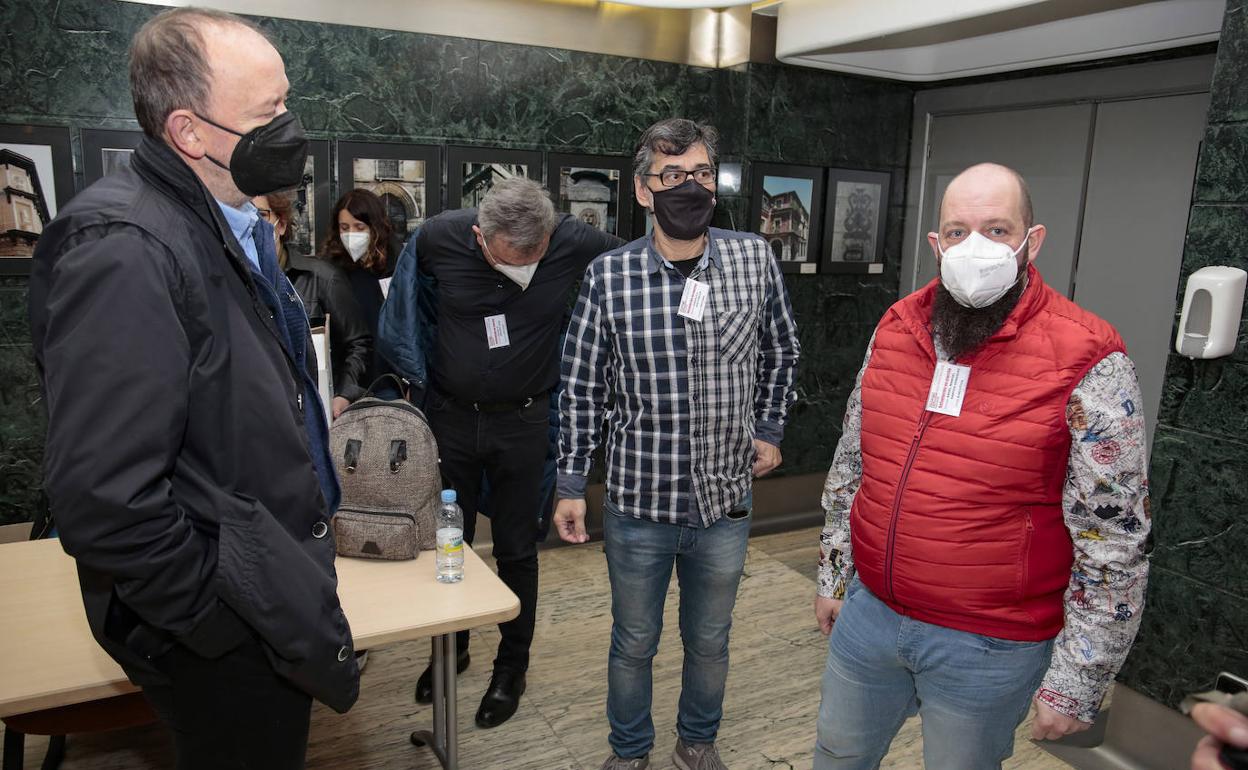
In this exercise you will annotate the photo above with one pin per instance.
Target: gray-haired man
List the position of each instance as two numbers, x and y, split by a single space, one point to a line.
504 274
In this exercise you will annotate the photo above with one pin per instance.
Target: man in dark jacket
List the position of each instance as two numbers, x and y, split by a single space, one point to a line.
186 459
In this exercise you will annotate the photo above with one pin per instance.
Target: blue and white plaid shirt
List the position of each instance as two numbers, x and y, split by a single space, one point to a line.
683 399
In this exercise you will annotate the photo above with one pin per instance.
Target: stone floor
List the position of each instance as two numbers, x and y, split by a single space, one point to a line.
771 702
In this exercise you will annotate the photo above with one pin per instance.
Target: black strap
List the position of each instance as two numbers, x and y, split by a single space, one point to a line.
351 456
398 454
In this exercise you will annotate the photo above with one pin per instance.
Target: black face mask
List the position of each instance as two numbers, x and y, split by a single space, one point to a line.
268 158
684 211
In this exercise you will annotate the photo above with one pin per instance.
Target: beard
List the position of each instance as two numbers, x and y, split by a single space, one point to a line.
959 329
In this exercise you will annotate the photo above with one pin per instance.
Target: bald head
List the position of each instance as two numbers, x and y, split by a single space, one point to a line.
991 181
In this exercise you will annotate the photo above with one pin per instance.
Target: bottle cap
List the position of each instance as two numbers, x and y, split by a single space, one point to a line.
448 495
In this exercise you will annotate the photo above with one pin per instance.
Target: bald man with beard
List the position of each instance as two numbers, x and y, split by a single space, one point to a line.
986 508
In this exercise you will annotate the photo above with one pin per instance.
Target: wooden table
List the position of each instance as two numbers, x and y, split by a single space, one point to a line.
48 657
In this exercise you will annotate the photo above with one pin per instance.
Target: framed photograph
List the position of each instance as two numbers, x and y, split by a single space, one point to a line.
37 176
472 171
596 189
105 151
856 218
407 178
310 201
784 206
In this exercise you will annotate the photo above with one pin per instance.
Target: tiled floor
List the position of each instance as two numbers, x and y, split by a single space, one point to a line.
772 698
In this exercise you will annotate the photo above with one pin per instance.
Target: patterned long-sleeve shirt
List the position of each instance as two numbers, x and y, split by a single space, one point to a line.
1105 505
687 396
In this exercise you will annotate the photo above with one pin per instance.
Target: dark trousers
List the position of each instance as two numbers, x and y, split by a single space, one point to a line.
509 449
231 713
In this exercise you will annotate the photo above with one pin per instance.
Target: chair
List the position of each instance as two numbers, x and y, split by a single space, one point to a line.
115 713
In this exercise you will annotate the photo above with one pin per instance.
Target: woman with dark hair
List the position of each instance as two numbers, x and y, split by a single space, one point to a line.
362 243
326 293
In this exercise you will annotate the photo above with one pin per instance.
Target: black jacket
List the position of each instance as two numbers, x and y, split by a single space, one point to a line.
326 291
177 463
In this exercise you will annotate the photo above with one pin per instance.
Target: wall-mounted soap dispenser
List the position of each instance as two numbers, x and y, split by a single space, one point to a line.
1212 305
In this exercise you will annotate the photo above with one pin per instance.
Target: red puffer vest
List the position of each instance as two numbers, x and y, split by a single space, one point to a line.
958 521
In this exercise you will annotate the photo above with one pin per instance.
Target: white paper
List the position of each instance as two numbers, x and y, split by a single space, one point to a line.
948 388
693 301
496 331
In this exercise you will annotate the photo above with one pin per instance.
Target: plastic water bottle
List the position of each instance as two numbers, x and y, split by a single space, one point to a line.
450 551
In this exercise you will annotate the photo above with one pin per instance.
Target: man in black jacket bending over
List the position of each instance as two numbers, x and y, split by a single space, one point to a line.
187 462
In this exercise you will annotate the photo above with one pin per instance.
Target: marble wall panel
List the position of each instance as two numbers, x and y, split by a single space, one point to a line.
1230 77
1199 500
1189 632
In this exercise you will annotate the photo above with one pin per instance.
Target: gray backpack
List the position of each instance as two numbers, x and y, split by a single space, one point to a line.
387 462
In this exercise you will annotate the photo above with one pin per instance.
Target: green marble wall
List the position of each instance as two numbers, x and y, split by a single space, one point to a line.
1196 621
63 64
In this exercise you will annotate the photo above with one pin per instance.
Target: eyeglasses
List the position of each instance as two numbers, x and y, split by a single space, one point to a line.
674 177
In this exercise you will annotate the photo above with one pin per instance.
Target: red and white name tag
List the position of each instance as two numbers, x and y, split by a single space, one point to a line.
693 301
496 331
948 388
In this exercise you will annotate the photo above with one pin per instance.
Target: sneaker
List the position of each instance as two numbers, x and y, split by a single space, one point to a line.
361 659
697 756
620 763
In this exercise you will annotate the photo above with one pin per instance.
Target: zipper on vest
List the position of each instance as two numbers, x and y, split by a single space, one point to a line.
901 488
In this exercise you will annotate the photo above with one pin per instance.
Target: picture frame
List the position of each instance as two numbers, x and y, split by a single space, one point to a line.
37 172
310 201
855 220
471 171
786 205
407 177
596 189
106 150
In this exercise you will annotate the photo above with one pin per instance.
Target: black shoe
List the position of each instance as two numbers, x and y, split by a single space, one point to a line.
424 685
501 698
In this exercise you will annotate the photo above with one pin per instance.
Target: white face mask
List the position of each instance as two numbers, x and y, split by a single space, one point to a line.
521 275
356 244
979 271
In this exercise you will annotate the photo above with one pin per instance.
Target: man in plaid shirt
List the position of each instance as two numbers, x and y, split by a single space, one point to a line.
684 343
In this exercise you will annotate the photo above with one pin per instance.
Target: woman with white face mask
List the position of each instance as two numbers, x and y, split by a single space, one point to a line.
362 243
326 294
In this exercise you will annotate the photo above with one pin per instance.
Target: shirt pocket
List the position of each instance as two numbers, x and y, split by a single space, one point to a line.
736 333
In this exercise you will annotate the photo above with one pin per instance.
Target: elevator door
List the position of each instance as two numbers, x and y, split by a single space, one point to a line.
1134 222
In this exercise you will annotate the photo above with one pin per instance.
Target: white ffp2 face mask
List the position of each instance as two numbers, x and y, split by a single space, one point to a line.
979 271
520 274
356 244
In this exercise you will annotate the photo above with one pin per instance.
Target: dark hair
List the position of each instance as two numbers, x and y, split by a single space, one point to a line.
366 207
283 208
674 136
169 68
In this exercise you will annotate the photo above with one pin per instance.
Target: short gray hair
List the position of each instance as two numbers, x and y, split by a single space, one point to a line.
674 136
169 67
519 210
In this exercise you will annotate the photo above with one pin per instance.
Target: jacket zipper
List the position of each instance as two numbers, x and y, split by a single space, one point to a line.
901 488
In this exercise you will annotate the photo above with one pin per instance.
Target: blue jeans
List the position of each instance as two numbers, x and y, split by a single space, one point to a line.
971 691
709 562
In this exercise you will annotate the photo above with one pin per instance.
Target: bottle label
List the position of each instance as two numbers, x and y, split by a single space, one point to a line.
450 541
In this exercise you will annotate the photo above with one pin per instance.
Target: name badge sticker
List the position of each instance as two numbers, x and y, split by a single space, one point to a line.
693 301
496 331
948 388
